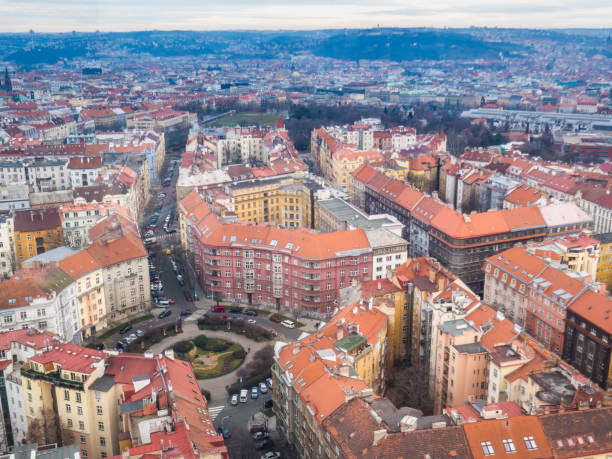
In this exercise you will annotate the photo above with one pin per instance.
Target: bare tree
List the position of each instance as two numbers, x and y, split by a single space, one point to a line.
408 386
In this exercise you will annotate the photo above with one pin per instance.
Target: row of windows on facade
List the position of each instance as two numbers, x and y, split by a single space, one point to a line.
509 446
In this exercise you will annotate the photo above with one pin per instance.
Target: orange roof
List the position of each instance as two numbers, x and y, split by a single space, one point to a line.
596 308
79 264
517 429
125 248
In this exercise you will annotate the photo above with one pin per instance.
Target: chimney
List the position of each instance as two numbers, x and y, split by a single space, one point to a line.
408 424
379 435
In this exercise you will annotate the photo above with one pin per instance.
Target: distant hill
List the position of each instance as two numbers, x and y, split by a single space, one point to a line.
410 45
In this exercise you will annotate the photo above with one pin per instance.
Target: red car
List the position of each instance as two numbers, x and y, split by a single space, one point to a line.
223 316
171 301
275 319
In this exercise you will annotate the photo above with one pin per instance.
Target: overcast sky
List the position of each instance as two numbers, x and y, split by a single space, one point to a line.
123 15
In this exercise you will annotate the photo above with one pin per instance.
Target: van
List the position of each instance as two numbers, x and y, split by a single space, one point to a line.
164 302
244 394
288 324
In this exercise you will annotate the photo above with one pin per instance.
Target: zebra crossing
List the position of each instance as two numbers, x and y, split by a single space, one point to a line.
214 411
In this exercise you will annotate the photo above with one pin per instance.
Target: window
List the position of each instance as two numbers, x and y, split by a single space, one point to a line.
487 448
68 409
81 425
66 395
84 452
530 443
79 410
78 397
509 445
99 409
83 439
69 422
100 426
102 441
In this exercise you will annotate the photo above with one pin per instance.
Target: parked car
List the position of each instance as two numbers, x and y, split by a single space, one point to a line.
125 329
186 312
288 324
252 321
264 444
188 296
171 301
275 319
165 313
269 382
234 400
257 427
263 388
133 336
244 396
250 312
260 435
271 455
139 333
218 309
254 392
236 311
163 302
268 403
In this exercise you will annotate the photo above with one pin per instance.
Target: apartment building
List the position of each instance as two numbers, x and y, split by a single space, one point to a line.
288 202
295 270
14 197
588 337
345 160
461 364
311 378
604 266
36 232
43 298
39 174
84 170
65 393
78 218
16 347
7 246
462 242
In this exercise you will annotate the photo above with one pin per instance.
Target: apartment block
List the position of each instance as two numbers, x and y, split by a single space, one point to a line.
7 245
295 270
36 232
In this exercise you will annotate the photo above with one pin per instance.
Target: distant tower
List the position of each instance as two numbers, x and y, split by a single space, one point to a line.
8 86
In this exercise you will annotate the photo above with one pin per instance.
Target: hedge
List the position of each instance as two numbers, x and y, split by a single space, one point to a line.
247 383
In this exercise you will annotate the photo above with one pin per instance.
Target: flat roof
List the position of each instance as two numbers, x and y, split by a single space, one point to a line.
345 212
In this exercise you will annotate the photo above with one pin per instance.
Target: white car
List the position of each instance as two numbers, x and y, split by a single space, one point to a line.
252 321
288 324
234 400
263 388
271 455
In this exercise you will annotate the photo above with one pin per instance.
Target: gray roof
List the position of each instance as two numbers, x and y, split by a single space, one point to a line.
344 212
52 255
103 384
456 327
131 406
471 348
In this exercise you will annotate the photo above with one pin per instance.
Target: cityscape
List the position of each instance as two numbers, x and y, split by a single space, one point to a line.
274 237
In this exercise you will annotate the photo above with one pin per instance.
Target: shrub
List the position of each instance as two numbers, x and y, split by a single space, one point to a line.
238 354
201 341
217 345
183 347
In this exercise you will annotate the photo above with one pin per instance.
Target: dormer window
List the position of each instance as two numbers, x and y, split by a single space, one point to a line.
509 445
530 443
487 448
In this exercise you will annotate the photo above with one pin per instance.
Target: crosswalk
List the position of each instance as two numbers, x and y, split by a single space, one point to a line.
214 411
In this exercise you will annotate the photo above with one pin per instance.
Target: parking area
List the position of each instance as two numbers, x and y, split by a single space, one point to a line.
245 421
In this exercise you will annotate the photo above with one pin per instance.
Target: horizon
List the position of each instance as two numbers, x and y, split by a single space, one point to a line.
65 16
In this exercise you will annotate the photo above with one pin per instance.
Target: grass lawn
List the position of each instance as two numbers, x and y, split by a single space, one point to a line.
247 119
226 361
111 331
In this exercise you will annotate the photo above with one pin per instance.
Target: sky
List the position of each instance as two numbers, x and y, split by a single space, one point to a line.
126 15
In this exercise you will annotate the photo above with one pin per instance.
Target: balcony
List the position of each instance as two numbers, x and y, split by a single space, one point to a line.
52 378
311 299
210 262
311 276
311 288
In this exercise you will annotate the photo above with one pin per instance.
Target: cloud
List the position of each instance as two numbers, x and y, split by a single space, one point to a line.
121 15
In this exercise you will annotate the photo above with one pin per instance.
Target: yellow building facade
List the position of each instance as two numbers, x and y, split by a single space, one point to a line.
604 267
36 232
287 202
81 408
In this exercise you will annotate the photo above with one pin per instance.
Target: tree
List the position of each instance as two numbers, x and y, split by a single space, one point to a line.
261 363
408 386
45 429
